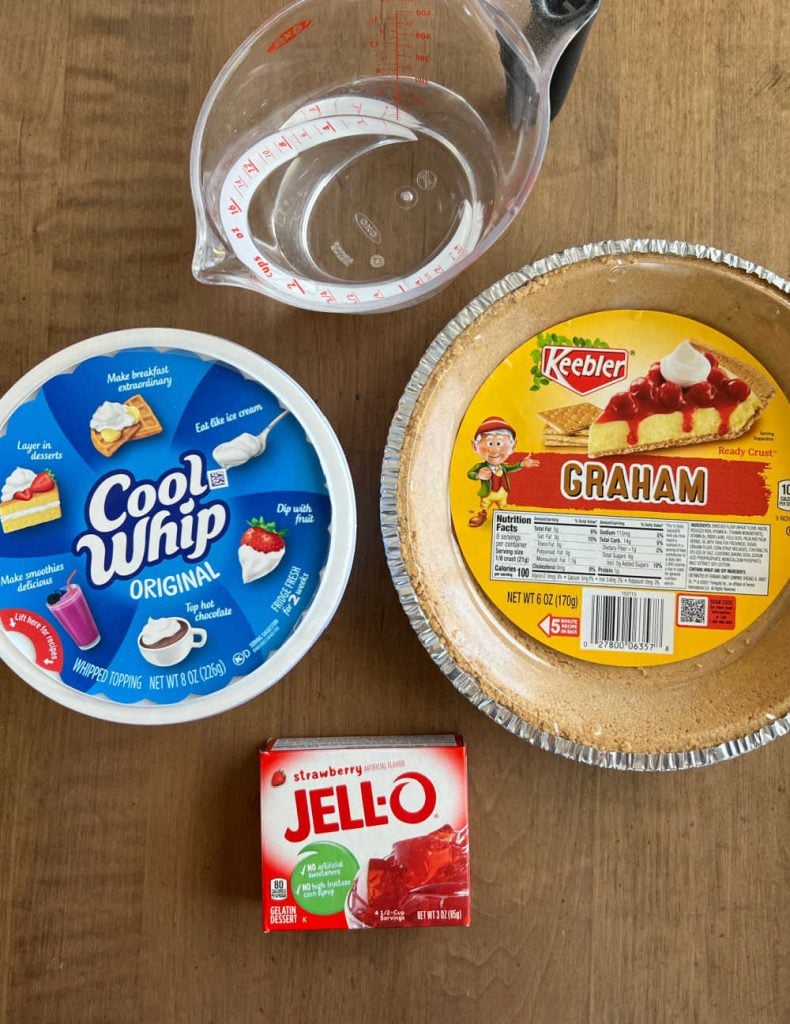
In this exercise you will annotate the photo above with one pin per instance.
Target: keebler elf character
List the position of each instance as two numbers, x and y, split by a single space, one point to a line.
494 442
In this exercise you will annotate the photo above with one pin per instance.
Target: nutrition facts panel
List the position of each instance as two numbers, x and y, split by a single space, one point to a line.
664 554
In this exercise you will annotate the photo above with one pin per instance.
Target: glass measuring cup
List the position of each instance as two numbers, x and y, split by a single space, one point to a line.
355 155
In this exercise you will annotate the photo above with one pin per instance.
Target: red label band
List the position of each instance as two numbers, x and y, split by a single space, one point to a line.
642 483
46 644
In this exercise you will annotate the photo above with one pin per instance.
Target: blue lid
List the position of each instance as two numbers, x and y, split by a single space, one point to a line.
177 525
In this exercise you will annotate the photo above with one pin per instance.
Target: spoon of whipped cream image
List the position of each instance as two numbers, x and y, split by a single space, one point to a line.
241 449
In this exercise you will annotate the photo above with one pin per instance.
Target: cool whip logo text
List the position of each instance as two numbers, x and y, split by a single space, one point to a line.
341 808
137 523
584 370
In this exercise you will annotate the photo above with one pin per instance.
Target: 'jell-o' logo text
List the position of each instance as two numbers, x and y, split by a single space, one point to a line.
341 808
133 523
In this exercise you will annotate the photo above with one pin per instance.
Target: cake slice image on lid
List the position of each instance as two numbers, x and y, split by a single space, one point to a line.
28 498
619 597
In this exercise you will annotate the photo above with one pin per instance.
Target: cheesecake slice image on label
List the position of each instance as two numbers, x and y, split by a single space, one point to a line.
691 396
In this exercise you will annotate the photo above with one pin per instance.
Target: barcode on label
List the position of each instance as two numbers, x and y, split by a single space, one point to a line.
628 621
217 478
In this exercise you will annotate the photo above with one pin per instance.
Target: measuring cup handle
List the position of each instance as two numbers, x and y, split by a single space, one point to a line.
566 67
557 31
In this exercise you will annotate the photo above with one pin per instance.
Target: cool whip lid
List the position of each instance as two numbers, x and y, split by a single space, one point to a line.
178 525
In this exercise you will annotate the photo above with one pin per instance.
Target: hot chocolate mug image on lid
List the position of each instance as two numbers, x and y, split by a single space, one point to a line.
607 574
178 525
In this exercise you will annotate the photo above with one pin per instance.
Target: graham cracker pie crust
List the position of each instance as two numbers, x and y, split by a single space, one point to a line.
731 692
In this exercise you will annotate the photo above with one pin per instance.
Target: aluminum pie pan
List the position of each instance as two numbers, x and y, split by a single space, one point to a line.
465 682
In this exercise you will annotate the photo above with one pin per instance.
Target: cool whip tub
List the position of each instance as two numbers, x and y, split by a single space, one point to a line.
178 525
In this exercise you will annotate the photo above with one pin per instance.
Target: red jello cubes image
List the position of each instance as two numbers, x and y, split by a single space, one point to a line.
424 880
364 833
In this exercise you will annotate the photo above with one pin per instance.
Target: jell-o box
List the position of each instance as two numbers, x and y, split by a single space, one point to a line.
364 832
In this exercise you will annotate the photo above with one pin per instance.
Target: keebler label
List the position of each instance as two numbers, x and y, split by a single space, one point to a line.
164 526
364 833
583 372
619 488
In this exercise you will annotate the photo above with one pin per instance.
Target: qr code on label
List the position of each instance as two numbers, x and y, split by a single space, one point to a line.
217 478
692 611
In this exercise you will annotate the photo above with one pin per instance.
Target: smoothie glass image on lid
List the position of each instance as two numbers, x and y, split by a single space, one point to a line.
72 611
178 525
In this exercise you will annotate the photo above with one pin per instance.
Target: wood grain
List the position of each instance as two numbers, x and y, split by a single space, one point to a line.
128 857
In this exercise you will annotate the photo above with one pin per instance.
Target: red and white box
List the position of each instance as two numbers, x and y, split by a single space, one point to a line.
364 832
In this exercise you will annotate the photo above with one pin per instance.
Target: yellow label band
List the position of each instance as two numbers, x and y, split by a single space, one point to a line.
620 488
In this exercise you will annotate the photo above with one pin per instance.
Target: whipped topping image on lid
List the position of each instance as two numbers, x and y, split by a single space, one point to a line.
19 480
237 451
257 564
208 571
111 416
685 366
156 630
241 449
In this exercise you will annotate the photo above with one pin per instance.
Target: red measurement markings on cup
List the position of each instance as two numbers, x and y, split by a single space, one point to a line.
401 38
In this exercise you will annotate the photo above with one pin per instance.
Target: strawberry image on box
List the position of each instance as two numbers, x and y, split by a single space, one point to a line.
364 832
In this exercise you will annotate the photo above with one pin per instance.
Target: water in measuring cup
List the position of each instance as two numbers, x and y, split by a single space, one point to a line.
374 190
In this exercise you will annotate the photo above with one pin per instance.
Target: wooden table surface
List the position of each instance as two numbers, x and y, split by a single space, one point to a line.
129 873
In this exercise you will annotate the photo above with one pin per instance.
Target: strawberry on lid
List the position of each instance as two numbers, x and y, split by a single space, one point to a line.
43 482
263 536
261 549
40 484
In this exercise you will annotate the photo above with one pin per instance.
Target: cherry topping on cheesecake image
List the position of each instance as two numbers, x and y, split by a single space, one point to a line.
654 394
